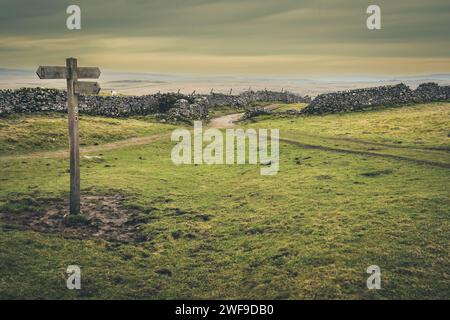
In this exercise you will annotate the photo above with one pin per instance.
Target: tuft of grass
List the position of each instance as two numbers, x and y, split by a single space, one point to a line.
19 202
76 219
376 173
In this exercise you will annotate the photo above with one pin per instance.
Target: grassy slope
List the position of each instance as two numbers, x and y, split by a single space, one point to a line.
417 132
309 232
22 133
424 125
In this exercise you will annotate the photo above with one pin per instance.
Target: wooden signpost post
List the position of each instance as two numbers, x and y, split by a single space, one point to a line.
71 72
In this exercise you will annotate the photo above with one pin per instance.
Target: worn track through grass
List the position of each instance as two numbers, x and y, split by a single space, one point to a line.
137 141
229 121
378 144
366 153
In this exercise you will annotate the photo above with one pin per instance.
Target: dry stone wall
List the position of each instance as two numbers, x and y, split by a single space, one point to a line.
354 100
175 105
28 100
248 97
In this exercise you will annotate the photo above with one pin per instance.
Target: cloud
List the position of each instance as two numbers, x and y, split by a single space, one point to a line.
217 35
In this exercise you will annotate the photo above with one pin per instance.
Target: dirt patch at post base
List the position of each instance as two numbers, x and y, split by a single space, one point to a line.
104 217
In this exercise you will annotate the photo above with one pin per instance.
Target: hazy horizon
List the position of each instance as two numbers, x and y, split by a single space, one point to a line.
148 82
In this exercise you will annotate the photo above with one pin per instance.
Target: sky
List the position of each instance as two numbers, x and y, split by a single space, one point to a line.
283 37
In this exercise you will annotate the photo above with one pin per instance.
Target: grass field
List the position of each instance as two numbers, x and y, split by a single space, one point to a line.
353 190
26 133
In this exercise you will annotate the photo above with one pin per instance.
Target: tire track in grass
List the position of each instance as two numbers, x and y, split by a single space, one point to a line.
229 121
365 153
379 144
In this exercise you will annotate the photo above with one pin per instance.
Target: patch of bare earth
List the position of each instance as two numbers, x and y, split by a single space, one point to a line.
103 217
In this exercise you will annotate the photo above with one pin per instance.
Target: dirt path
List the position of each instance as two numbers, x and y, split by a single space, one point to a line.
229 120
63 153
272 106
219 122
225 121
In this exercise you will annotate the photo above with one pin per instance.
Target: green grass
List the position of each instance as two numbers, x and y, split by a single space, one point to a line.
38 132
223 231
425 125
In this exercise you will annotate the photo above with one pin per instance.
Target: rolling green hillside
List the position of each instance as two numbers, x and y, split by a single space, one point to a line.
353 190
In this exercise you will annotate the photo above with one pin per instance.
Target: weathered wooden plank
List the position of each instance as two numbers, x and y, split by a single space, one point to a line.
88 73
72 107
55 72
51 72
87 87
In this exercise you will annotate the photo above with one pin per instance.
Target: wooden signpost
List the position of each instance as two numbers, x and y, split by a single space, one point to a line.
71 72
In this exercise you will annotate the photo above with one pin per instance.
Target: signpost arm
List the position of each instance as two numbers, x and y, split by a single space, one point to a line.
72 107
